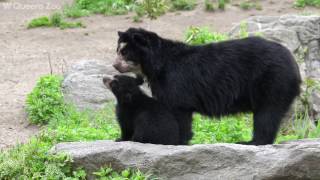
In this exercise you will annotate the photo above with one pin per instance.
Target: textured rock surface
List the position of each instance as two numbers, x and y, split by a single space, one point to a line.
83 85
292 160
301 35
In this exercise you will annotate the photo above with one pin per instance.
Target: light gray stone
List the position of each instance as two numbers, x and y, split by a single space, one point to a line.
292 160
83 86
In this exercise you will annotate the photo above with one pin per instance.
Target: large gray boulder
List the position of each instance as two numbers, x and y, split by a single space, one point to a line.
301 35
292 160
83 87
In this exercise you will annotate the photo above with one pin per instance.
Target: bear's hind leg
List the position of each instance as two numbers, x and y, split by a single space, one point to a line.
266 125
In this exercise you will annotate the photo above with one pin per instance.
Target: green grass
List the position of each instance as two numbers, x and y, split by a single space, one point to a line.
55 20
184 5
304 3
79 8
246 5
39 22
210 6
198 36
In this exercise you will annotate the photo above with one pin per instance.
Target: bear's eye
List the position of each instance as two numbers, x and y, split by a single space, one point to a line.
123 51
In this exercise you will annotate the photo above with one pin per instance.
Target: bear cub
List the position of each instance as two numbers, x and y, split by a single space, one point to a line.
141 118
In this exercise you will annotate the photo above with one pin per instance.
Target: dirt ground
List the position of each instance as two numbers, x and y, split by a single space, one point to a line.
24 52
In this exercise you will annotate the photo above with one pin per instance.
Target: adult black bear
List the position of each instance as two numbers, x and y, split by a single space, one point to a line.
245 75
141 118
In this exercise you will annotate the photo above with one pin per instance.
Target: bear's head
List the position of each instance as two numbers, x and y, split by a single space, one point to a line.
124 87
136 48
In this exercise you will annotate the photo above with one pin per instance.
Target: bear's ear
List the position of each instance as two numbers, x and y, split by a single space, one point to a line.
139 80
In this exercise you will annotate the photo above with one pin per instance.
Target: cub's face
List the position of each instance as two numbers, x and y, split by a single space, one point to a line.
123 86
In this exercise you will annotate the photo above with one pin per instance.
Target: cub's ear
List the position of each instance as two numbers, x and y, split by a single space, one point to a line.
139 39
120 33
139 80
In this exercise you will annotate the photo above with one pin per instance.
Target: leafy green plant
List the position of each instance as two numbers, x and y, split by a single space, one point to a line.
222 4
64 123
39 22
154 8
249 4
209 6
198 36
183 4
55 20
246 5
46 100
228 129
107 173
304 3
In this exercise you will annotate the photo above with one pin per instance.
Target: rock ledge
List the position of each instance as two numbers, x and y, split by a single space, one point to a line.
291 160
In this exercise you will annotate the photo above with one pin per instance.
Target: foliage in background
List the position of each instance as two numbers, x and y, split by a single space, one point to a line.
198 36
106 173
227 129
55 20
183 4
304 3
79 8
250 4
46 100
64 124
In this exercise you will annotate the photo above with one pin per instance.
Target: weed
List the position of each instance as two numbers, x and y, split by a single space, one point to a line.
108 173
221 4
74 11
246 5
183 4
209 6
56 20
46 100
154 8
198 36
39 22
250 4
304 3
228 129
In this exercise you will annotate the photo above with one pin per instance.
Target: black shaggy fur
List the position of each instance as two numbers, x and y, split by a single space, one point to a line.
245 75
141 118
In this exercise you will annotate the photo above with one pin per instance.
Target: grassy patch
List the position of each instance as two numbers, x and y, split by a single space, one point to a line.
227 129
304 3
198 36
39 22
55 20
183 4
246 5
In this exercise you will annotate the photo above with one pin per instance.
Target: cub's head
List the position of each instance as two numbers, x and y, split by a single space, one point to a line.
123 87
135 48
